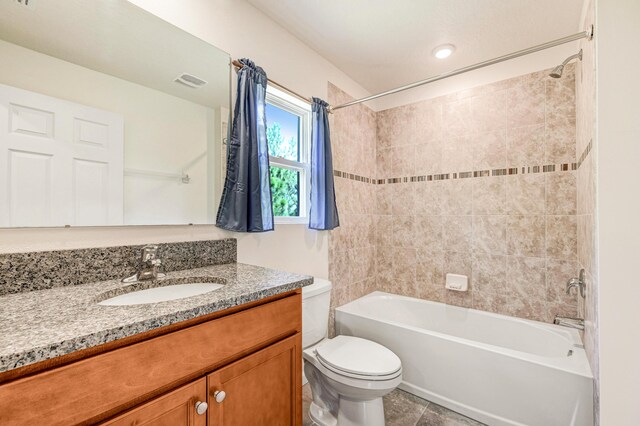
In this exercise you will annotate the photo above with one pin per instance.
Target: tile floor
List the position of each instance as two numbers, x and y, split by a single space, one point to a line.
403 409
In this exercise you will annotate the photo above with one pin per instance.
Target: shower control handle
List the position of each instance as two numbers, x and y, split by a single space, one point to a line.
578 283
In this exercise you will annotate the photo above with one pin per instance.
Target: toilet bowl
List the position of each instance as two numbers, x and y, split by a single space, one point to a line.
348 375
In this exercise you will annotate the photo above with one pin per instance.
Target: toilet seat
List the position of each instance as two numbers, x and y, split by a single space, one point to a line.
358 358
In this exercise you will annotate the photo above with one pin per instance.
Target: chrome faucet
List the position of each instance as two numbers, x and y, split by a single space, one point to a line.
577 282
149 265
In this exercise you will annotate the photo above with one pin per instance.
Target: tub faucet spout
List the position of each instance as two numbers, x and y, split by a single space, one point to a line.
577 323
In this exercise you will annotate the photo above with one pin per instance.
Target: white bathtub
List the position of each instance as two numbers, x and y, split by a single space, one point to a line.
493 368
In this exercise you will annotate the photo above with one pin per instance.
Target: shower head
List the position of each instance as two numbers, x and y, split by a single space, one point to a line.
557 71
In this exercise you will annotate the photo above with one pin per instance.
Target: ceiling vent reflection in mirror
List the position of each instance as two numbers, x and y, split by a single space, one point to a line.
188 80
31 4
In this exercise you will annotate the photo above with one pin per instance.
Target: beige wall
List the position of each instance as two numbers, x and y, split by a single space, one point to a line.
514 236
618 208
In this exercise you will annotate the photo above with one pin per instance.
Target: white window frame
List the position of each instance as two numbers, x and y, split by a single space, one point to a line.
292 104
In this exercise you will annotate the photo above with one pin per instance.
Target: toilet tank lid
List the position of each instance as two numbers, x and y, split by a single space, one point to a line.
319 286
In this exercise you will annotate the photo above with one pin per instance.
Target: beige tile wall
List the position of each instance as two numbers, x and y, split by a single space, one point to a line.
352 257
513 236
586 196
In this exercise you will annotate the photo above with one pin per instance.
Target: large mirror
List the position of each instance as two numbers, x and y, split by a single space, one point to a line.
108 116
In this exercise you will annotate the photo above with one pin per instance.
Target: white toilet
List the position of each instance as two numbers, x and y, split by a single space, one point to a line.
348 375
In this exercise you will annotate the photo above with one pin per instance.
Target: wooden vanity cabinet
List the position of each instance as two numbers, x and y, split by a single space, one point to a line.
252 353
176 408
260 389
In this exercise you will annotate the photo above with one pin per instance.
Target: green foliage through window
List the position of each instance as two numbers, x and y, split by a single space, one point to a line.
285 183
284 191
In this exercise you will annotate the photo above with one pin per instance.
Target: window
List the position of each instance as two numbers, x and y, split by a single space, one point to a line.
289 138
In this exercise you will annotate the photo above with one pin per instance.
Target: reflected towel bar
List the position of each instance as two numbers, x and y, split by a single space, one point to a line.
183 177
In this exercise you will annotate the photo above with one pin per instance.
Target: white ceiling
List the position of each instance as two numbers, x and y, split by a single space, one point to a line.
117 38
383 44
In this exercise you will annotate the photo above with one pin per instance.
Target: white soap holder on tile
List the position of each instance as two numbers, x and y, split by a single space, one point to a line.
457 282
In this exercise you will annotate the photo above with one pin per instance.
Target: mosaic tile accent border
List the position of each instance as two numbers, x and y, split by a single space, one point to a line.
585 153
351 176
509 171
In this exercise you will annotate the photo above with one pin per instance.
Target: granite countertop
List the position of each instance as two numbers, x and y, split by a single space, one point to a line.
44 324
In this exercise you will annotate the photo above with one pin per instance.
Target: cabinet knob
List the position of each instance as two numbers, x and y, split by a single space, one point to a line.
201 407
219 396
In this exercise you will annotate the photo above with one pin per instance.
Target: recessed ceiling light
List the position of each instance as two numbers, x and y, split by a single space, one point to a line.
443 51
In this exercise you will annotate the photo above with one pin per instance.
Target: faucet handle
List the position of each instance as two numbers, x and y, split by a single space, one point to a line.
149 253
577 282
571 283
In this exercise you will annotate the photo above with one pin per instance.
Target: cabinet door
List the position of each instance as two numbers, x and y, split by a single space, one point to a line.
177 408
261 389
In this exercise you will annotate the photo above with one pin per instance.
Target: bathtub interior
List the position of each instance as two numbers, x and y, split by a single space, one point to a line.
530 337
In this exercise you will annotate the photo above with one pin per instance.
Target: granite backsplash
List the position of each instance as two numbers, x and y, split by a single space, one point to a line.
22 272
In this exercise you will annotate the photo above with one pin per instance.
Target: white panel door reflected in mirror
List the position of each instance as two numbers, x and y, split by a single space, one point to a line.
108 116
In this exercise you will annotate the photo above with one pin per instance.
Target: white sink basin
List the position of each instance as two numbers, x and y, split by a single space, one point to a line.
161 294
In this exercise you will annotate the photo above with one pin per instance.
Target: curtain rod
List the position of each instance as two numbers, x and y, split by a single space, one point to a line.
238 65
588 33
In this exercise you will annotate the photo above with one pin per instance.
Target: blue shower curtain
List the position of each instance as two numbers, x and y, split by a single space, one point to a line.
246 198
323 214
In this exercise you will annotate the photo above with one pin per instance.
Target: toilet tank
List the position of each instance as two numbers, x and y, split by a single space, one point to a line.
316 299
